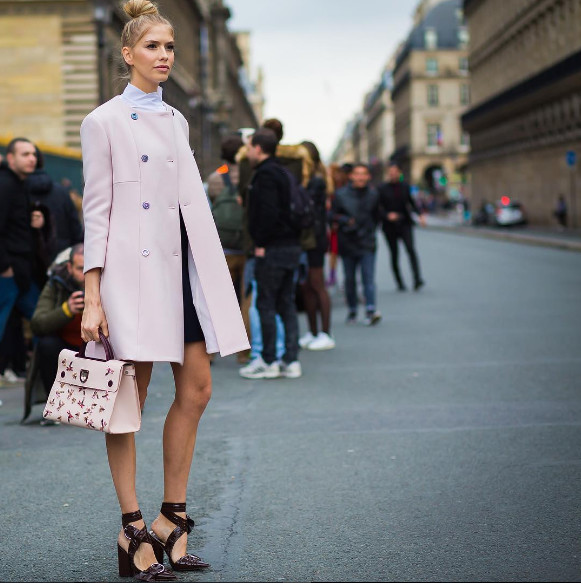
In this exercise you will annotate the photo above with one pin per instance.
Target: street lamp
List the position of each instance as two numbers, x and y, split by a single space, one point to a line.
102 14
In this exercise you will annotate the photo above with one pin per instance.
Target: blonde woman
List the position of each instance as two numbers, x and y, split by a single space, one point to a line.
156 281
315 296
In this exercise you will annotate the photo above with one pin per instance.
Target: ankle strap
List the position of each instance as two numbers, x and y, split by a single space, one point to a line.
169 509
129 517
173 506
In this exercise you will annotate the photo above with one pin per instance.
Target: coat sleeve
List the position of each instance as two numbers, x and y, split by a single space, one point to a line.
98 191
338 212
48 318
411 201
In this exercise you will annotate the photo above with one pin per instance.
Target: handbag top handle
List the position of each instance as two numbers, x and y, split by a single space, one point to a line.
109 355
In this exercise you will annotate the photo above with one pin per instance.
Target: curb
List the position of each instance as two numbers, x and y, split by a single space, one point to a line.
538 240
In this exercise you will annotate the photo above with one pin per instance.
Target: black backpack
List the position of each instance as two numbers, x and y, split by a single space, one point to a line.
302 207
229 216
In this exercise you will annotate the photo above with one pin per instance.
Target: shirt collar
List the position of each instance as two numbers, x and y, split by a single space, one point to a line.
137 98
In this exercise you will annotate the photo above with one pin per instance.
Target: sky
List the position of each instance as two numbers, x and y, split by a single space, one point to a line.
320 58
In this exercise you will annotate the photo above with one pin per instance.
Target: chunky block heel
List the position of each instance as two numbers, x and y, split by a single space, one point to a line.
124 563
126 558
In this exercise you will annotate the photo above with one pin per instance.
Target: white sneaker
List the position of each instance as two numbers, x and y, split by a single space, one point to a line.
11 377
322 342
258 369
306 339
292 370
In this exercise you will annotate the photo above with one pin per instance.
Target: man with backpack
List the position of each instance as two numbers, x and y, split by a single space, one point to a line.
274 226
228 215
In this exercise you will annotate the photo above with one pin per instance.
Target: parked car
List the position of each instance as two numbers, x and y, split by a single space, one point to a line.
508 212
504 212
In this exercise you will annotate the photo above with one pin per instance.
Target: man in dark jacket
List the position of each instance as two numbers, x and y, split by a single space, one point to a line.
277 252
43 190
15 232
395 206
355 211
57 323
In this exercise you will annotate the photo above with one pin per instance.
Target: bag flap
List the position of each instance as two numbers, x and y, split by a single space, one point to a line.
88 373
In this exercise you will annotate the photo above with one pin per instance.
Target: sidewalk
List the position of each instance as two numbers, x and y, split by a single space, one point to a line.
532 235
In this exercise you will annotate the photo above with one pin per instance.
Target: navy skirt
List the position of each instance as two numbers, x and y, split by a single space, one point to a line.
192 329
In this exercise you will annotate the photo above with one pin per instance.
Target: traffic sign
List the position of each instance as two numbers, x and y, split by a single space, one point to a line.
571 158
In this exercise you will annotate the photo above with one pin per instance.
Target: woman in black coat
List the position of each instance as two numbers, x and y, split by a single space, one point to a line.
316 299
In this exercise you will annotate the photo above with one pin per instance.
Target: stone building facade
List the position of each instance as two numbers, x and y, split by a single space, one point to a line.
379 126
368 137
431 90
525 63
63 59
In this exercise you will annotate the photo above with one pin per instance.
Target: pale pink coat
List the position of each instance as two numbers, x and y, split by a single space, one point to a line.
139 172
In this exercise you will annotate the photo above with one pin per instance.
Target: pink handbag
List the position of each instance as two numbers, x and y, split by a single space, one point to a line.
96 394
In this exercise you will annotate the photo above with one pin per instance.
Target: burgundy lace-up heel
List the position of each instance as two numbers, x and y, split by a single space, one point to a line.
183 525
127 568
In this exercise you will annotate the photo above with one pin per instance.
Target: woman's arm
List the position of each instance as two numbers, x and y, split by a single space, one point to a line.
93 314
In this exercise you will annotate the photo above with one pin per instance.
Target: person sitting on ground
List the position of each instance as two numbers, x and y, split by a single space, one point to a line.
56 323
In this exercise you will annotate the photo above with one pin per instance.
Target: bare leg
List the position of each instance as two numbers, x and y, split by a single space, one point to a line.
122 462
193 383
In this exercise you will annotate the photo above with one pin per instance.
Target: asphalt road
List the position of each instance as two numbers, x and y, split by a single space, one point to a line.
441 445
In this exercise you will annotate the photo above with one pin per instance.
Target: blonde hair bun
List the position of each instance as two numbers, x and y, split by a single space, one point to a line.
137 8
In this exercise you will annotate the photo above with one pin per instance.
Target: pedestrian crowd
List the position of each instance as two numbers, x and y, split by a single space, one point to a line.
281 266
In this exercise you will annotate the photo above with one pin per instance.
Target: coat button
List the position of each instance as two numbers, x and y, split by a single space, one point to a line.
134 116
145 252
145 205
144 158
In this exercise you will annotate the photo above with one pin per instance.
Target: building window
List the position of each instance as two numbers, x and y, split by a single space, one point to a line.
463 65
465 139
432 66
434 135
463 37
432 95
430 39
464 94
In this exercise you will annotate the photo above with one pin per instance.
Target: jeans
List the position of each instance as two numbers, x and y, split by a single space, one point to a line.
254 317
275 275
10 296
366 263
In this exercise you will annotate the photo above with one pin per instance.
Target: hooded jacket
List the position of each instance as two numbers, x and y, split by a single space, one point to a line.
43 190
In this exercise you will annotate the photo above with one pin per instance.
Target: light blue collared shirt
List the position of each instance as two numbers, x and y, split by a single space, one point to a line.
144 101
